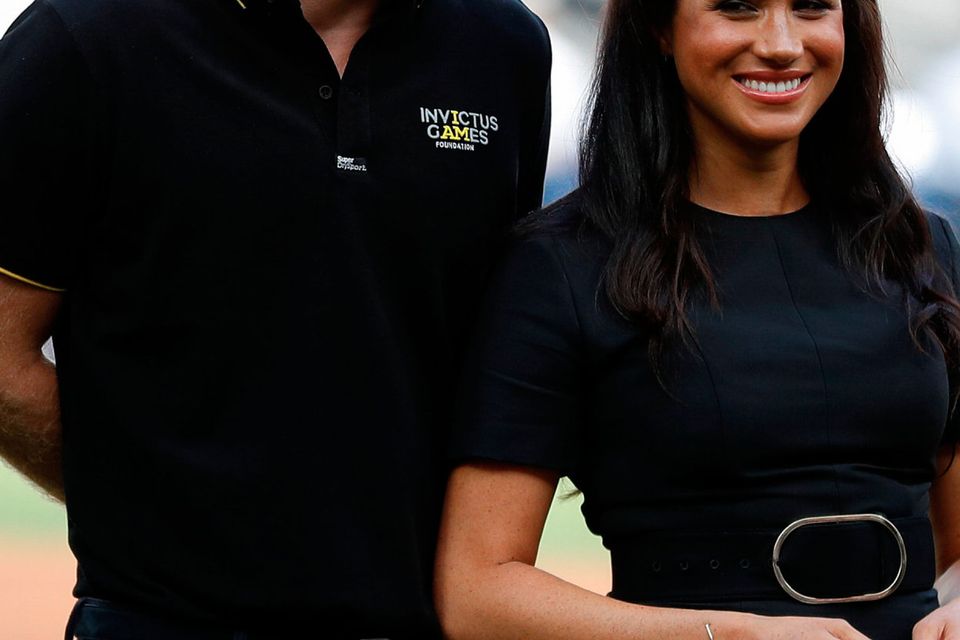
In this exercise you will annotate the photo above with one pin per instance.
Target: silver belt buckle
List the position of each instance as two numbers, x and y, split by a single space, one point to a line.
856 517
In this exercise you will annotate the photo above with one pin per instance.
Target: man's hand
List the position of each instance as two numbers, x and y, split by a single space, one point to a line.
796 628
942 624
30 433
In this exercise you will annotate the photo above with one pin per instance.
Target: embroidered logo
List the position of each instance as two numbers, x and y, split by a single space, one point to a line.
351 164
458 130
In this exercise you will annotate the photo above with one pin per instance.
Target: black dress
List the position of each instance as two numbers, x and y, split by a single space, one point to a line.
802 395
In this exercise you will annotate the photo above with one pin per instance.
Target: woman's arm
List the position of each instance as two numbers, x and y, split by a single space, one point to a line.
944 623
487 587
945 515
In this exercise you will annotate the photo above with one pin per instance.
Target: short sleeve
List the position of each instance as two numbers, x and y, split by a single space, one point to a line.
945 246
948 254
520 394
44 97
535 141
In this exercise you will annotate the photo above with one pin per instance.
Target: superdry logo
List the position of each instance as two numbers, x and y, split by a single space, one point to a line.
351 164
458 130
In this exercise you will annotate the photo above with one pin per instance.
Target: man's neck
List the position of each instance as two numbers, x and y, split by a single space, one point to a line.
341 24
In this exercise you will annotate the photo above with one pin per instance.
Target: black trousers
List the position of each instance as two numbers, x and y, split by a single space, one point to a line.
95 619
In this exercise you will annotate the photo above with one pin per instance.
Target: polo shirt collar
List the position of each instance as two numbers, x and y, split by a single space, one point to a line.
397 9
387 7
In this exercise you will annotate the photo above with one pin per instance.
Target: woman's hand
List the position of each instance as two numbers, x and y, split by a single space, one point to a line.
942 624
789 628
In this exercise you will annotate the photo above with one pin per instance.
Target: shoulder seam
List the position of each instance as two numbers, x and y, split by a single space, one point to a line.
73 39
947 230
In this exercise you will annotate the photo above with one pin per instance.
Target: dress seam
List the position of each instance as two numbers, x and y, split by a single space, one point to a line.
816 350
730 452
557 254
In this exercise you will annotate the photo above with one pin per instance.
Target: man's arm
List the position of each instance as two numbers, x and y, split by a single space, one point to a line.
944 623
536 138
30 434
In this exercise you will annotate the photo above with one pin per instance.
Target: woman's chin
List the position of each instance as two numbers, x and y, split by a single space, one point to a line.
767 139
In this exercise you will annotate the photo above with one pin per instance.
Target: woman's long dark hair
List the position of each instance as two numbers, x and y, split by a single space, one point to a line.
637 152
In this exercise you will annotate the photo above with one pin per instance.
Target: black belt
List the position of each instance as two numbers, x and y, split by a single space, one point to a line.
95 618
820 561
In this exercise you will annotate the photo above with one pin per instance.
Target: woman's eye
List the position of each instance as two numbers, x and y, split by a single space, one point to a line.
816 7
735 7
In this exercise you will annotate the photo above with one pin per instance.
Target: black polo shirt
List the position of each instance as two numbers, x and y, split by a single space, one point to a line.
269 272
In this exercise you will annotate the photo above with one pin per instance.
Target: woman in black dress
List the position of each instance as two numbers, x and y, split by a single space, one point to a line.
742 320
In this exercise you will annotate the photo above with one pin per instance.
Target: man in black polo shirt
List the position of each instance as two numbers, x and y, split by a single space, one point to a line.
257 233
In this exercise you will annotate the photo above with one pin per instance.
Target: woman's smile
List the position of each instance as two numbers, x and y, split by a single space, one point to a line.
774 88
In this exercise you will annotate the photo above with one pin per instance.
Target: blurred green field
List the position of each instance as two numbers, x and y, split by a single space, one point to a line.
568 549
37 571
565 532
25 512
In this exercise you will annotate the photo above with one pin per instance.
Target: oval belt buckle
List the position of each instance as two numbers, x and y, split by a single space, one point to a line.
857 517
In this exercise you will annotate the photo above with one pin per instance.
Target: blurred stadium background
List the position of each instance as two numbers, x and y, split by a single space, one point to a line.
36 569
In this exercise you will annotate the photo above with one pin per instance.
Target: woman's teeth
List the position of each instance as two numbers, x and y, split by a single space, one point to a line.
770 87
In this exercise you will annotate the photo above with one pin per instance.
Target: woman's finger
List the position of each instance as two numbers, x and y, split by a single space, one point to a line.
929 629
845 631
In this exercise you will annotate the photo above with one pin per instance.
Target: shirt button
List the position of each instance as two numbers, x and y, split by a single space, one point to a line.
326 92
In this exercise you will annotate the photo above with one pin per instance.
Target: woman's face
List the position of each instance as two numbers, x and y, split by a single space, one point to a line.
756 71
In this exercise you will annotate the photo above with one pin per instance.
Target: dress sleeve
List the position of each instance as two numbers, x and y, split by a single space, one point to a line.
948 255
44 163
520 394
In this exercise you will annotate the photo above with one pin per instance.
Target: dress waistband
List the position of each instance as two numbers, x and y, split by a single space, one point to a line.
823 561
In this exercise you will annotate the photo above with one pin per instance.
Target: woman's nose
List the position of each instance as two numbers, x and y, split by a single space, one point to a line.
779 40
